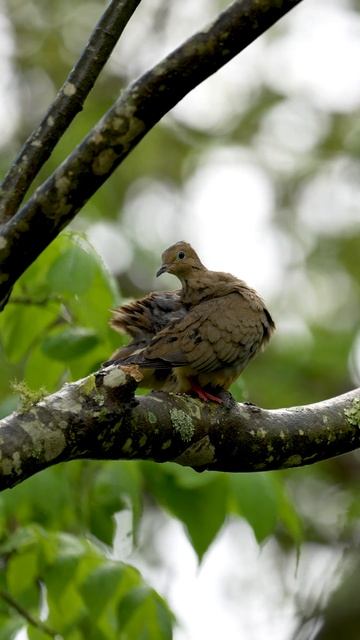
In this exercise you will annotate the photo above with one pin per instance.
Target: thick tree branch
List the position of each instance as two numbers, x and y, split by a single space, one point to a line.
143 104
100 418
68 102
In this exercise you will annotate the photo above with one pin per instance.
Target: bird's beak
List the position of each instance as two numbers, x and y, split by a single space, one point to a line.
163 269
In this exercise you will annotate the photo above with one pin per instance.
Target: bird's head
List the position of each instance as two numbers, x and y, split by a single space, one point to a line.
181 260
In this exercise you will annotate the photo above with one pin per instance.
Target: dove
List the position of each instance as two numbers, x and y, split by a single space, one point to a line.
219 326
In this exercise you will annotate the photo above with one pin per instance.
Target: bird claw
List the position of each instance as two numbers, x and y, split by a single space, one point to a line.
205 395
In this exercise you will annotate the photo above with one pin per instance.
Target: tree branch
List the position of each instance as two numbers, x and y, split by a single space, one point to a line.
68 102
100 418
143 104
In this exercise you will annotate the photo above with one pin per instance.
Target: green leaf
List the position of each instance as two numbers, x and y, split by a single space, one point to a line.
287 513
130 604
69 343
255 498
93 308
101 587
116 485
71 559
143 614
30 499
201 508
262 499
22 326
67 611
61 574
36 634
72 272
21 572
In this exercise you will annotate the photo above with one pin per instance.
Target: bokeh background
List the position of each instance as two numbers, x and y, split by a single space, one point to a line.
259 169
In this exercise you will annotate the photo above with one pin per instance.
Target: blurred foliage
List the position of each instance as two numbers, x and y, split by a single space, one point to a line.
88 594
56 326
58 530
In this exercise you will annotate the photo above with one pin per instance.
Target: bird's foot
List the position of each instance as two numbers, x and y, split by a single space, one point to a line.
204 395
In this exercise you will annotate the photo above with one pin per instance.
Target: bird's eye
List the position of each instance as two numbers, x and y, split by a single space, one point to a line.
181 255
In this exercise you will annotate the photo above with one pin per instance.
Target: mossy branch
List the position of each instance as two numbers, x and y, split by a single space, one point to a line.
99 417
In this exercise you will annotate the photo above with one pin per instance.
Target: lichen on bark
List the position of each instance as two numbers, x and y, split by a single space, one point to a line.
352 413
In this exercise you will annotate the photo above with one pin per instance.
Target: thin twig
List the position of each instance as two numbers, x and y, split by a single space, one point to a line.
68 102
38 624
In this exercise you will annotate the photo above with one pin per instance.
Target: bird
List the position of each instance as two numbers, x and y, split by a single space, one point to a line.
197 339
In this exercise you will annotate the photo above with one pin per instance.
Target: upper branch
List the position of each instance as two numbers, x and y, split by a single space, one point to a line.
68 102
143 104
99 417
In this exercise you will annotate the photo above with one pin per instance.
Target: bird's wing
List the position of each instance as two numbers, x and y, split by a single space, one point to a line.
142 319
214 334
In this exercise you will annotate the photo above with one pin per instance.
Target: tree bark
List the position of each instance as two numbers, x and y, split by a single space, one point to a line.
138 109
99 417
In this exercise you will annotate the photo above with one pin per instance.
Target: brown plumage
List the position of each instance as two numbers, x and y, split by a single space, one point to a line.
141 320
215 325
